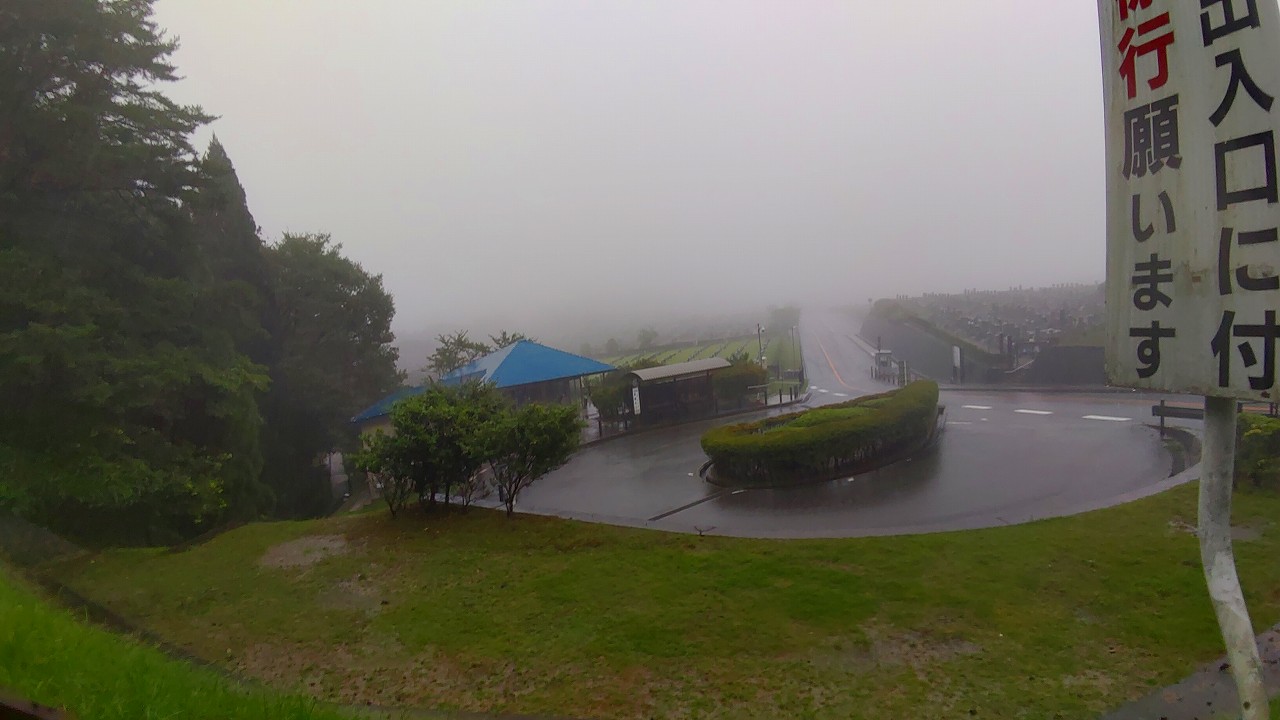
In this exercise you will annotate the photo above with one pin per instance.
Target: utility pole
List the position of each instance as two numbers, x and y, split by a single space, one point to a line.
760 343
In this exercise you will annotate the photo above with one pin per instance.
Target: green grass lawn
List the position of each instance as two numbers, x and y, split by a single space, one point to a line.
47 655
1063 618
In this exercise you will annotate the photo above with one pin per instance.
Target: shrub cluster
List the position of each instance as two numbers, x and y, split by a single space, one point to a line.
824 442
611 394
1258 452
735 382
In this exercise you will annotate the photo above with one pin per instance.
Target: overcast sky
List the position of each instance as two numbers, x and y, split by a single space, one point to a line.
522 158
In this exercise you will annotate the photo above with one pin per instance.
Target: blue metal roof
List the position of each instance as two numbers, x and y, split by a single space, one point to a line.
383 406
522 363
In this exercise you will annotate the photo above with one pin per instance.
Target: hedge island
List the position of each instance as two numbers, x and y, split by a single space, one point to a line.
826 442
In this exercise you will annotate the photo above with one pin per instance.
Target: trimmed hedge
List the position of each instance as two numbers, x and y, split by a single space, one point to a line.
824 442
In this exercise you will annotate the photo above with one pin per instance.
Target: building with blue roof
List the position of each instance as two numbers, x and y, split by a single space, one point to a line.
525 371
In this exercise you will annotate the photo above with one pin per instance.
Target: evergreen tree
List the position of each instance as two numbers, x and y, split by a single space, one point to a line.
234 277
126 402
332 356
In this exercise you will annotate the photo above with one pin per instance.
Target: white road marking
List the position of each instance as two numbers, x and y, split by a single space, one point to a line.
976 407
813 387
1106 417
958 422
823 391
841 394
984 420
1034 412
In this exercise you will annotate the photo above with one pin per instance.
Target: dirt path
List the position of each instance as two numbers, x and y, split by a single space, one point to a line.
1207 694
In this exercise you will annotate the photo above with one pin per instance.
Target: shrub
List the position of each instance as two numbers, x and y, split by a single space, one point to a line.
734 382
824 442
611 394
1258 452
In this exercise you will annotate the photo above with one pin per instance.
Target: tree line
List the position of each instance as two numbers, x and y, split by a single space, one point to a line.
163 368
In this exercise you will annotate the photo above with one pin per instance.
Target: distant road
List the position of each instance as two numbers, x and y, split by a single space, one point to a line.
1005 457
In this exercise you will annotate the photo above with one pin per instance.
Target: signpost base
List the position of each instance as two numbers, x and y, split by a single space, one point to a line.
1219 561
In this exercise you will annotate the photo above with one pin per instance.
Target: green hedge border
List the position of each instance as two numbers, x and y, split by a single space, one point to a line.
826 442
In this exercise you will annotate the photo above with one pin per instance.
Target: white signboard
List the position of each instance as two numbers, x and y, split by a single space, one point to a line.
1193 256
635 398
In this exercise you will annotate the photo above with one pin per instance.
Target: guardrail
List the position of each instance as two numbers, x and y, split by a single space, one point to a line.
1164 410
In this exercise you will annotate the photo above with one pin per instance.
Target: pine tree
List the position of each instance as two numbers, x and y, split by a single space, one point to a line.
127 404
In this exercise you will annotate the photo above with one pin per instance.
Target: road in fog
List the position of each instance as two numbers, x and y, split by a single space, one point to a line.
1005 457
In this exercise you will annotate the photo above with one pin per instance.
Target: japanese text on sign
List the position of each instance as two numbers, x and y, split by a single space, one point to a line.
1193 248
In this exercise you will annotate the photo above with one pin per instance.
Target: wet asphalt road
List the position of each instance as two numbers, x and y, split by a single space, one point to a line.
1005 457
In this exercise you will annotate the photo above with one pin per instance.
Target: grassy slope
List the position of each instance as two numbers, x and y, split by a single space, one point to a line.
48 656
1062 618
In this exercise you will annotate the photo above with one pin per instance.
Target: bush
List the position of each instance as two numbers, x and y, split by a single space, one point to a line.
733 383
824 442
611 394
1258 452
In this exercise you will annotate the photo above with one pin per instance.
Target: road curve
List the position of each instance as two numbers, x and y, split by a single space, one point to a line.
1005 457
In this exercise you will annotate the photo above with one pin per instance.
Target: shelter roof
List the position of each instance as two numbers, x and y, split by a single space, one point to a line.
692 367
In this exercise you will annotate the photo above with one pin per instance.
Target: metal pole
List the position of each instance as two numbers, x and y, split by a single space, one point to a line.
1218 560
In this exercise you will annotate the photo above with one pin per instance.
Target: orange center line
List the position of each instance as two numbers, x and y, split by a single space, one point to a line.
834 371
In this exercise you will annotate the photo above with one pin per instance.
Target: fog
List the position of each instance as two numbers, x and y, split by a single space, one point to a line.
547 165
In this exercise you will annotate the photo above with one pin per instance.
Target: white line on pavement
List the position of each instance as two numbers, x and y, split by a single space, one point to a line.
1034 412
959 422
823 391
976 407
841 394
1106 417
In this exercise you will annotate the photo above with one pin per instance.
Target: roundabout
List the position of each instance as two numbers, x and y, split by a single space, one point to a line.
1004 458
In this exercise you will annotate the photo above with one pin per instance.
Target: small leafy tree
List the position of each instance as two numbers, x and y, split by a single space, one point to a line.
454 351
506 338
387 461
525 444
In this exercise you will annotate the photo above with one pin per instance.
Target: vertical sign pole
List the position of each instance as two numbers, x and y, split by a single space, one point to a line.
1219 561
1193 196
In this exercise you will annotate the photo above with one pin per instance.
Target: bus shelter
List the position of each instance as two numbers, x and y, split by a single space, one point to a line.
674 393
